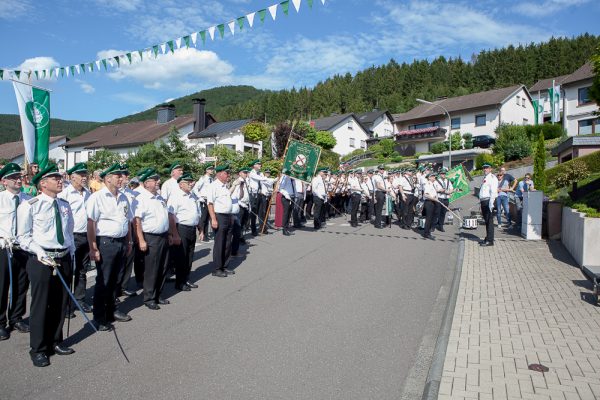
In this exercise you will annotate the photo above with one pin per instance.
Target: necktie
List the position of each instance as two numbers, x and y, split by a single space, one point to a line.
16 206
242 190
259 184
58 222
293 188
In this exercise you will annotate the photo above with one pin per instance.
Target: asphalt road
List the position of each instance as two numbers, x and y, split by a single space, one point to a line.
334 314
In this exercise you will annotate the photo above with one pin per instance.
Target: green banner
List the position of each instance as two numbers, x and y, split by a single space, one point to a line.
460 182
300 160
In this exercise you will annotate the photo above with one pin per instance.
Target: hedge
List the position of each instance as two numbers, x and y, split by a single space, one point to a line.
592 161
550 131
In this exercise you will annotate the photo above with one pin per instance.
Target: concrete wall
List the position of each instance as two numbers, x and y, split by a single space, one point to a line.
580 237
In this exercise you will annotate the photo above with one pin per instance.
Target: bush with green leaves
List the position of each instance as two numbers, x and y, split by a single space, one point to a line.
467 140
439 147
383 149
573 172
256 131
103 159
512 142
353 154
324 139
539 164
484 158
591 161
550 131
329 159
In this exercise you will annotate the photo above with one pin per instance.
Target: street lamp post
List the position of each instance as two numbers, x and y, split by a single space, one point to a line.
449 128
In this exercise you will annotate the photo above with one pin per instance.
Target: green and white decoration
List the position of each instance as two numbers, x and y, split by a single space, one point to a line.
169 46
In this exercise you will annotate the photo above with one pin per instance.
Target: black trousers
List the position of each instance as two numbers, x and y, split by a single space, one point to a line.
259 208
380 202
156 260
371 207
308 204
354 205
222 245
204 218
364 210
298 210
287 212
112 261
125 274
408 210
19 288
82 259
49 300
398 207
318 211
236 232
244 217
441 213
429 215
183 254
488 217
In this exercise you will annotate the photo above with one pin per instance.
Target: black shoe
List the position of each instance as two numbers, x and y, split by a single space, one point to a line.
152 305
229 271
266 232
441 229
191 285
128 293
21 326
85 307
286 233
121 316
4 334
254 234
163 302
483 242
40 360
62 350
117 301
103 326
70 315
242 241
219 273
183 288
486 244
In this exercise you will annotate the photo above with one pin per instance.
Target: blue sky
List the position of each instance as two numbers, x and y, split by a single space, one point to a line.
296 50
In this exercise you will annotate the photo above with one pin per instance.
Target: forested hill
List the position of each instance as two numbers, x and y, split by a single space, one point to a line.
10 127
395 86
216 100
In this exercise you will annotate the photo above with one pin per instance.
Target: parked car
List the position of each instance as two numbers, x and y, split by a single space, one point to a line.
483 141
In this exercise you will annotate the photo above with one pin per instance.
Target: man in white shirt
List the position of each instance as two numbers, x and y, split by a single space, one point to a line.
10 198
109 237
430 196
156 231
170 185
134 260
381 187
445 189
185 206
77 195
355 196
201 190
240 200
298 210
44 229
257 185
319 193
220 208
287 188
487 197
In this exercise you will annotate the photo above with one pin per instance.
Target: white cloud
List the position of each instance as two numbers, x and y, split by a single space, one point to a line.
547 7
186 68
85 87
38 64
120 5
14 10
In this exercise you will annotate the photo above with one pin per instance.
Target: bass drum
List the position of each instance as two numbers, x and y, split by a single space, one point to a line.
421 222
419 207
470 223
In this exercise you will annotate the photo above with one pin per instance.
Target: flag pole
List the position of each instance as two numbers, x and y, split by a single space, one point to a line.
29 84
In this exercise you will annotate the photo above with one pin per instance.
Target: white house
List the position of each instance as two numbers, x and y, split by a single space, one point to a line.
349 133
580 112
478 113
228 134
380 124
15 151
127 138
539 91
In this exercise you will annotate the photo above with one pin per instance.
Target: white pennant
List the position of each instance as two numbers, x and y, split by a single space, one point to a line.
77 69
67 70
194 38
111 62
98 65
273 11
323 1
47 73
56 72
211 32
178 43
231 26
163 48
149 54
250 18
296 4
90 67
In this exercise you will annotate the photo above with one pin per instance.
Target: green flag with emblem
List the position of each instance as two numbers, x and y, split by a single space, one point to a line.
460 182
34 110
300 160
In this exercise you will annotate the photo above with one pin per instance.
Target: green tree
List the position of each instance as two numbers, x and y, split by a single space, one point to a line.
468 140
256 131
539 164
102 159
325 139
512 142
595 89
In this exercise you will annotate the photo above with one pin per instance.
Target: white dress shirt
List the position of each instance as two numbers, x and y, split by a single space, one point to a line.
489 187
112 214
429 190
152 210
220 197
407 185
354 184
77 202
237 198
169 187
36 225
318 187
379 182
185 207
443 186
201 187
300 188
287 187
8 213
257 181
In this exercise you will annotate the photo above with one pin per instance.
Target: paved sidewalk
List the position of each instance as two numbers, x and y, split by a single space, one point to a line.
519 303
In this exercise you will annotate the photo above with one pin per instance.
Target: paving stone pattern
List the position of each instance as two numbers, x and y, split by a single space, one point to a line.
519 303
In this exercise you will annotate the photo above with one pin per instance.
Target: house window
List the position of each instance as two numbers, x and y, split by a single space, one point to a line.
90 154
350 125
583 96
77 157
589 126
525 121
518 100
425 125
363 144
455 123
209 149
352 142
480 120
523 102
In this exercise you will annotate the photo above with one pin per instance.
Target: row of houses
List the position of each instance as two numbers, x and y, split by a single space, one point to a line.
414 131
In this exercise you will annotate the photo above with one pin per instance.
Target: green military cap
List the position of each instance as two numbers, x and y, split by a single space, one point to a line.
431 174
443 170
77 168
141 171
222 167
370 171
116 168
10 169
486 165
358 171
175 165
150 173
244 169
254 162
209 165
381 166
50 170
185 177
324 169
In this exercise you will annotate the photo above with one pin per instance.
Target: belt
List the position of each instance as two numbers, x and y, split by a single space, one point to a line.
112 239
485 199
157 234
80 233
56 253
187 226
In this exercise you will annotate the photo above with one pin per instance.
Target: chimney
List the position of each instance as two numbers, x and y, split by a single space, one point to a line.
199 115
165 113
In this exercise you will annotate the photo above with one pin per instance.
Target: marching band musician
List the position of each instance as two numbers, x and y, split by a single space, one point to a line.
287 188
409 190
258 199
171 185
201 190
298 210
220 208
430 197
240 200
355 197
444 189
319 192
380 186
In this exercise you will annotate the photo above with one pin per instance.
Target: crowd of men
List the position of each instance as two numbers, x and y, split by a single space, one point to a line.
128 225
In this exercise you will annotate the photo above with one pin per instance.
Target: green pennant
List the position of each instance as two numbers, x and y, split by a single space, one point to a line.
261 14
310 3
51 72
62 71
129 57
72 68
18 74
203 36
104 63
82 67
240 21
117 59
155 50
285 6
221 28
1 74
43 74
37 76
141 55
170 44
91 65
186 40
